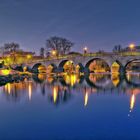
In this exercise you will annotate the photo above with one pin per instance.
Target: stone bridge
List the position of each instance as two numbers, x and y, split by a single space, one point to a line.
84 61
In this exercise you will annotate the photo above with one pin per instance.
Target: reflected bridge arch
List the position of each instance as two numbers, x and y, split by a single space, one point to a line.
99 81
39 68
132 79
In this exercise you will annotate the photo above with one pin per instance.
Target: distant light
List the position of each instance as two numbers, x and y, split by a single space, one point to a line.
85 49
5 72
53 52
132 102
132 46
29 56
86 99
30 91
55 94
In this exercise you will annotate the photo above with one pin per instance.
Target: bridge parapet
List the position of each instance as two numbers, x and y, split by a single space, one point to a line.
122 59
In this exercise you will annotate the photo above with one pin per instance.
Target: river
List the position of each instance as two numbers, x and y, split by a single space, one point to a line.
73 107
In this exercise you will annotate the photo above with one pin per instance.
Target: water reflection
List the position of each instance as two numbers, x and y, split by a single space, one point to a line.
115 77
71 79
99 80
55 93
59 94
30 90
60 90
86 97
133 79
8 88
132 102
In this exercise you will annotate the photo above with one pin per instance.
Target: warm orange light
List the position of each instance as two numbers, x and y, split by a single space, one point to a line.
55 94
128 77
5 72
8 88
30 91
115 79
132 102
53 52
70 79
132 46
86 99
29 56
115 68
73 79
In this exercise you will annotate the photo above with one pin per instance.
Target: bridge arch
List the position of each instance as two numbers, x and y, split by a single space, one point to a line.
39 68
100 81
108 68
67 62
129 62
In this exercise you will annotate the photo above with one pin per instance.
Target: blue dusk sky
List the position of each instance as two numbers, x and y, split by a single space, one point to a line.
98 24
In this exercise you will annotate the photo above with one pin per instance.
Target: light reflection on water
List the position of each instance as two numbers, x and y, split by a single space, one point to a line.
95 83
60 94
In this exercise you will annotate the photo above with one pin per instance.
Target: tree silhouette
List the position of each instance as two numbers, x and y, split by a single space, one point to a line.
117 48
61 45
12 47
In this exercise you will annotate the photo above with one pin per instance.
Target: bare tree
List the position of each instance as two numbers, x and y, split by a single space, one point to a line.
12 48
117 48
61 45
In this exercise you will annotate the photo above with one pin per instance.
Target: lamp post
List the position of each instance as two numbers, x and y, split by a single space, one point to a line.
131 46
29 56
54 53
85 50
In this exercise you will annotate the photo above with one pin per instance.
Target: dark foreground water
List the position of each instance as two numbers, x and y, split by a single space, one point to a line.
71 108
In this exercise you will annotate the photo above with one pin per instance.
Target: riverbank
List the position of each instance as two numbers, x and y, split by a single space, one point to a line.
4 79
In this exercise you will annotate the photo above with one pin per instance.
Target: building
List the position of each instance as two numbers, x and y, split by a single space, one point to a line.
17 57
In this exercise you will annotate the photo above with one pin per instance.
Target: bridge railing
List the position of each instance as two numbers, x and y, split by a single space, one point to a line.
132 53
102 54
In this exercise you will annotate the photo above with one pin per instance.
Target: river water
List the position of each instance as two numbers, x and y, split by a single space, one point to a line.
73 107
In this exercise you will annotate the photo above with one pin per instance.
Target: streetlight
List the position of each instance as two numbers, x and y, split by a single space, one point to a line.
85 50
53 52
29 56
131 47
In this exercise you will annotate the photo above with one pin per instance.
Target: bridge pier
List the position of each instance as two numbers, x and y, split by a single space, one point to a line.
122 70
86 71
